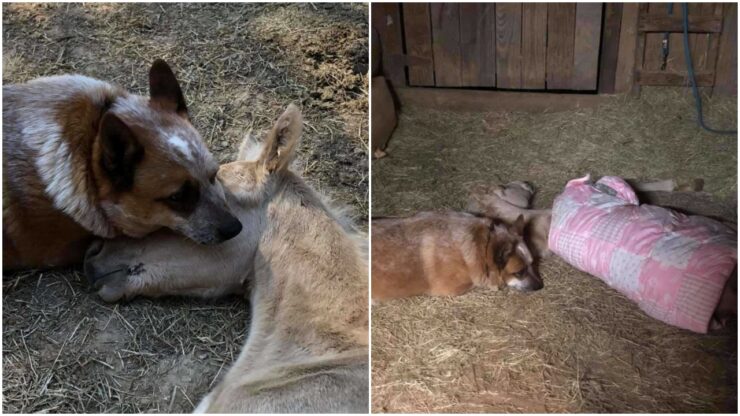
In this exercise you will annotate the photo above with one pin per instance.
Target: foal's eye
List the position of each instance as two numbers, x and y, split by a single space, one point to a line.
212 179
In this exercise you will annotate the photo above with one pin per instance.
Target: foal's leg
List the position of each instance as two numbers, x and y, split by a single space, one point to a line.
167 264
508 206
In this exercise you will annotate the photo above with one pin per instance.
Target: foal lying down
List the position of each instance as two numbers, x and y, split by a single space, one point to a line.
303 268
680 269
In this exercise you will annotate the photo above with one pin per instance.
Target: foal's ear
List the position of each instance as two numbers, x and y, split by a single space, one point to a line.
280 143
250 149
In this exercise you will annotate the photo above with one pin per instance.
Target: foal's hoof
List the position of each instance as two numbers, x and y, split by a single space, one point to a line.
112 287
109 281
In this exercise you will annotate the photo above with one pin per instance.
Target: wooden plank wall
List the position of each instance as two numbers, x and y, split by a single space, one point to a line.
446 44
386 20
478 44
703 47
561 26
640 60
610 47
586 47
604 47
486 45
725 81
508 45
418 33
534 45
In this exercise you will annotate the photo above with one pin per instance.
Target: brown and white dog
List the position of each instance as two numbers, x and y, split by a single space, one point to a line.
83 158
446 254
508 203
303 267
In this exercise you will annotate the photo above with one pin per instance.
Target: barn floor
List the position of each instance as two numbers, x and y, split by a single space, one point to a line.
576 345
66 351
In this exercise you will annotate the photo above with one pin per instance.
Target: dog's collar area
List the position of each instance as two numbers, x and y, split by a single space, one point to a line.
108 104
488 258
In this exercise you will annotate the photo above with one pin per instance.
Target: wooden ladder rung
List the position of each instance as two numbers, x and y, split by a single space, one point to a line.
703 79
697 24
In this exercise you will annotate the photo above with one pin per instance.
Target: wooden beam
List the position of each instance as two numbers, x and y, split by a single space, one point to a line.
418 32
639 49
454 99
586 48
509 45
725 81
697 23
627 42
610 48
534 45
713 41
561 26
676 62
386 19
703 79
446 44
478 44
652 57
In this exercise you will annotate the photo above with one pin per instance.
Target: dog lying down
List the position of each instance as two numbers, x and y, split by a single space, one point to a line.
303 267
446 254
680 269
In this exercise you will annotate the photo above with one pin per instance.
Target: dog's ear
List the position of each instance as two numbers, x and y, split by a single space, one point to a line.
279 145
517 227
120 152
165 90
501 253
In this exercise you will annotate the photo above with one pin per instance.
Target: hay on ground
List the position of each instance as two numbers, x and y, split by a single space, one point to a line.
577 345
240 65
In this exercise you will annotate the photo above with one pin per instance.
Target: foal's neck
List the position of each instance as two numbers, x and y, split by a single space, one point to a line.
311 280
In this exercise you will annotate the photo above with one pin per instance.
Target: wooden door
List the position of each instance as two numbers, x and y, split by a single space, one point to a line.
515 46
705 27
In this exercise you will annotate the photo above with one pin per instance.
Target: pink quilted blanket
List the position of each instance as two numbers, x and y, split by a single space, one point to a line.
673 265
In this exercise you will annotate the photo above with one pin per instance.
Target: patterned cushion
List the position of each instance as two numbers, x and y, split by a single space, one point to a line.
674 266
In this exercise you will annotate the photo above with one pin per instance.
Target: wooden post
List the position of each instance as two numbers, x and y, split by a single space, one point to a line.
610 48
725 81
624 78
386 20
418 32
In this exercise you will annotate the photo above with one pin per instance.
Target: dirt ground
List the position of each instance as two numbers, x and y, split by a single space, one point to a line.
240 65
576 345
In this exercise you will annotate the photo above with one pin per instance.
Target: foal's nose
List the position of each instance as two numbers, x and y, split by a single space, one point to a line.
95 248
229 229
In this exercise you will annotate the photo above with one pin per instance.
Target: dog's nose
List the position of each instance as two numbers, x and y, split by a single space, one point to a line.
229 230
529 283
536 285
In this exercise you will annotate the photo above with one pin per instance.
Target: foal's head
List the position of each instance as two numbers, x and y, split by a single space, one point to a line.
262 167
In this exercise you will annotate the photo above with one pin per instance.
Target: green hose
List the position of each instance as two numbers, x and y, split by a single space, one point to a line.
692 77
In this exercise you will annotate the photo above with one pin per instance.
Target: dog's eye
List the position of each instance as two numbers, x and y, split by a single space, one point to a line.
184 199
520 273
177 196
